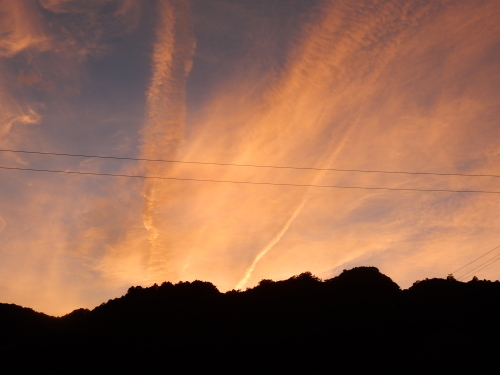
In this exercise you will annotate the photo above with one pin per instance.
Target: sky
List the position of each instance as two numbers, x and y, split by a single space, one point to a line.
372 85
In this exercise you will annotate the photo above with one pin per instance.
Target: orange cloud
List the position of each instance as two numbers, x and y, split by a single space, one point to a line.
51 265
387 85
364 88
164 125
20 28
10 119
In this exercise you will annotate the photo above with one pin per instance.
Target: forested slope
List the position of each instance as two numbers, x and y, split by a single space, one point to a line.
360 316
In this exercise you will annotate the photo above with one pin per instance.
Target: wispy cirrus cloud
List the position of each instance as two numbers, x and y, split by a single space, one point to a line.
367 86
351 84
44 69
21 28
164 125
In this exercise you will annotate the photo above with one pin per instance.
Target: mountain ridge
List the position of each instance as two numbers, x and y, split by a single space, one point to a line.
359 311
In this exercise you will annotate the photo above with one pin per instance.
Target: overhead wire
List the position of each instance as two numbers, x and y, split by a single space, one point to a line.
249 182
250 165
476 259
488 263
478 268
496 260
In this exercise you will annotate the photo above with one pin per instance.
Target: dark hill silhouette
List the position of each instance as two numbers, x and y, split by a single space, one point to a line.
360 314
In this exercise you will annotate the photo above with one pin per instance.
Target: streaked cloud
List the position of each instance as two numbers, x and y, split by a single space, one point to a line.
164 126
21 28
385 85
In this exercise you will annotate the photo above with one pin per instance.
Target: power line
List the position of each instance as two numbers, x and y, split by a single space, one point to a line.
489 261
476 259
252 165
250 182
465 275
496 260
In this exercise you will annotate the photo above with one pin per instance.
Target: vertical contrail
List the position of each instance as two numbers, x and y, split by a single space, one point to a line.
166 109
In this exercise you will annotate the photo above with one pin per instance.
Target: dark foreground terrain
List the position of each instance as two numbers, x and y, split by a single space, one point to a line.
359 319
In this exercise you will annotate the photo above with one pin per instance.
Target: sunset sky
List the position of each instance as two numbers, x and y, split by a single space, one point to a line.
344 84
